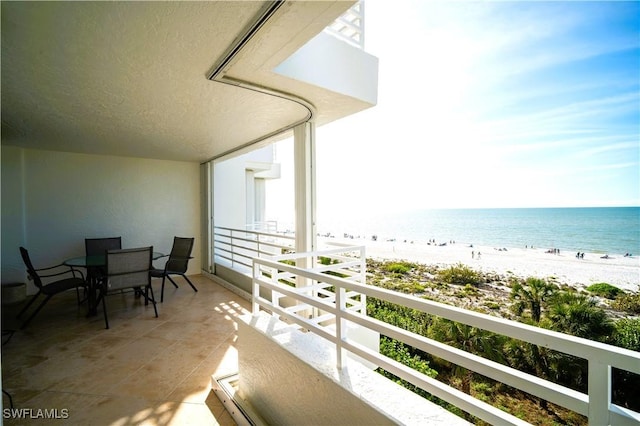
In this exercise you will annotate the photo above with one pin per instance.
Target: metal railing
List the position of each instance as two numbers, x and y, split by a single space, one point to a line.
237 247
335 290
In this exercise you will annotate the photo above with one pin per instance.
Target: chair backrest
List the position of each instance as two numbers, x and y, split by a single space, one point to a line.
30 269
180 255
129 268
98 246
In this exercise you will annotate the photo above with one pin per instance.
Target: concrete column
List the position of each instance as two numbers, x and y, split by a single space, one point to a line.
304 152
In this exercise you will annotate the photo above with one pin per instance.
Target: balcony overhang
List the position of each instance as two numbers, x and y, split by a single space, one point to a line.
132 78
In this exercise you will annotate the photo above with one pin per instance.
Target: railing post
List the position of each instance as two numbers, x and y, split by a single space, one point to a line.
233 250
599 384
340 326
256 288
363 279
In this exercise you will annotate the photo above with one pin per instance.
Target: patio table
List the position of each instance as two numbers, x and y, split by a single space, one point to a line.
93 262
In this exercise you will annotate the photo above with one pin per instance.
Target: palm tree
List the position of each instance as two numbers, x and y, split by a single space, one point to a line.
578 315
471 339
532 295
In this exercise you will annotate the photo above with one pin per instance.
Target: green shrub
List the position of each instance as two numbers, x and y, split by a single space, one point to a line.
627 302
492 305
324 260
605 290
627 334
400 268
460 274
404 354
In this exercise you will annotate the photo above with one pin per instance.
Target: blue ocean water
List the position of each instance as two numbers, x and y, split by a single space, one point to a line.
614 230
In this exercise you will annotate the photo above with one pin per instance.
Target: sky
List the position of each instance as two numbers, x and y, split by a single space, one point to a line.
491 104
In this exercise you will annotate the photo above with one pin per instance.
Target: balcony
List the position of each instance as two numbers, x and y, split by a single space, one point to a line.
319 298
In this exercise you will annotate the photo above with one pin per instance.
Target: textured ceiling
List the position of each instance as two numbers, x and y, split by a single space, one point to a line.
130 78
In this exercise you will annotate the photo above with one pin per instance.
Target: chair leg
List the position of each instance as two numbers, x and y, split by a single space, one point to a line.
104 309
33 299
153 300
190 283
172 281
162 290
35 312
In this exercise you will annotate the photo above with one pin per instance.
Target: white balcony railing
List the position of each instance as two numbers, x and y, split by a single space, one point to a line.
350 26
335 289
237 247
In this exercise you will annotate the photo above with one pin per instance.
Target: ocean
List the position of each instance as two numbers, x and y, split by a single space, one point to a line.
614 230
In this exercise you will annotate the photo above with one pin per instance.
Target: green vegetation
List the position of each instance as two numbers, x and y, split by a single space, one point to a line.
628 302
605 290
399 268
532 295
459 274
535 301
627 334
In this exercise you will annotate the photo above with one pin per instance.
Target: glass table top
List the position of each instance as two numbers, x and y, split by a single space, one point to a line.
98 260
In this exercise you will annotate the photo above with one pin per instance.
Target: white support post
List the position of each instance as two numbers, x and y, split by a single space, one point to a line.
599 393
305 195
305 187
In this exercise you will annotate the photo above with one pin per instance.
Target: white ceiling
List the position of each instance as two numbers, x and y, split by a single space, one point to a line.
130 78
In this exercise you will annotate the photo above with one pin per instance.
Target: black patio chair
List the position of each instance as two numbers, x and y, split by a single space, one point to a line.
176 264
99 247
128 269
75 281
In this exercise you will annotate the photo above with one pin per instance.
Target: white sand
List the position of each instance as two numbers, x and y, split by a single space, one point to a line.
618 270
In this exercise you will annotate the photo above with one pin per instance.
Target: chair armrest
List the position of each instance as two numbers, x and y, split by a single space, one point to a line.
74 271
181 257
50 267
69 269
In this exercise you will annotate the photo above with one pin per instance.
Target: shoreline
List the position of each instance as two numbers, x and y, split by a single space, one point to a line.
618 270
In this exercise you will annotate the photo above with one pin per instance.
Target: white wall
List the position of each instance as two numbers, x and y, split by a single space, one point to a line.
52 201
289 377
230 185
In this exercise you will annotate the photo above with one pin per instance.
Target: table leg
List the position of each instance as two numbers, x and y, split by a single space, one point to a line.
91 297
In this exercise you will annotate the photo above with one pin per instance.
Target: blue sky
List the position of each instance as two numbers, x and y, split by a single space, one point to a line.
491 104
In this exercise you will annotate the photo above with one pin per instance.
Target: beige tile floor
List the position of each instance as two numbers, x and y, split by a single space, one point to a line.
143 370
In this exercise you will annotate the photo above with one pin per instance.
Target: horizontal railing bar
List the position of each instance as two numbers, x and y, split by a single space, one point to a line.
291 292
566 397
621 416
258 243
302 322
270 234
621 358
460 399
235 261
323 253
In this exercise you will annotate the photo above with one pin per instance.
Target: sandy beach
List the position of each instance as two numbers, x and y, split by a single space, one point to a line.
618 270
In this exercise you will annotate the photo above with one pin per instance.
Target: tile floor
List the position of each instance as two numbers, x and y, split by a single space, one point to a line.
143 370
